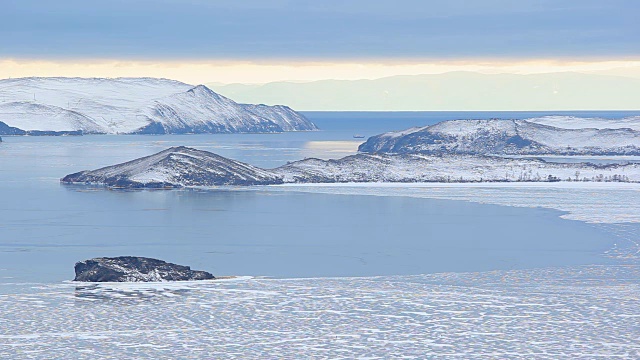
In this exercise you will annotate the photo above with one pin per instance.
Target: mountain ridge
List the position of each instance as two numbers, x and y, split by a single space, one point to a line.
132 106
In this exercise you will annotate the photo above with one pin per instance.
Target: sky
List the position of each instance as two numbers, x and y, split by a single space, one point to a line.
256 41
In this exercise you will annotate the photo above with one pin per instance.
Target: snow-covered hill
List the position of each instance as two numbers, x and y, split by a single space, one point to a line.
181 166
553 136
132 105
177 167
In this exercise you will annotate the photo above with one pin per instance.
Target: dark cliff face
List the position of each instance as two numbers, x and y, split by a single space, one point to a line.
9 130
135 269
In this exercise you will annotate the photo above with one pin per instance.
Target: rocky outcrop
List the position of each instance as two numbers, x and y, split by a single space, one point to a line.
134 269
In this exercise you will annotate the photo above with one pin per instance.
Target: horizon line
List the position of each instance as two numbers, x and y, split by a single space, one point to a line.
215 83
262 73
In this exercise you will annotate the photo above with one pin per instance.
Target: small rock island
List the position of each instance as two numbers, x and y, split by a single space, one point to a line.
135 269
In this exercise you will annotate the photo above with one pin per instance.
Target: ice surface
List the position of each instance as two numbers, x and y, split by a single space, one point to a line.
607 203
569 313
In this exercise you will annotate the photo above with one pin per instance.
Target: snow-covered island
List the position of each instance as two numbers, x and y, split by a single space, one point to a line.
77 106
540 136
188 167
177 167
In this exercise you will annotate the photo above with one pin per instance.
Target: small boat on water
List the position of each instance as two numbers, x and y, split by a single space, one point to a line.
358 136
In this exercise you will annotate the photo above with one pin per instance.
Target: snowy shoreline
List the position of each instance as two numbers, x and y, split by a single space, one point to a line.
492 184
591 202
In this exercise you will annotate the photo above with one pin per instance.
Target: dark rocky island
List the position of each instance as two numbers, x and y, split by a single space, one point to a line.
135 269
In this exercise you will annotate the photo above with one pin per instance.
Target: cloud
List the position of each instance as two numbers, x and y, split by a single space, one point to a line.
328 29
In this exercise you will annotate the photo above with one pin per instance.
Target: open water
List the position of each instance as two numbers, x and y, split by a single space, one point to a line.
45 227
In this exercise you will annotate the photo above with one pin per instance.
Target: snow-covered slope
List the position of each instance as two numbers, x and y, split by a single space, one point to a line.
180 166
284 116
573 122
31 116
510 137
131 105
200 110
177 167
115 104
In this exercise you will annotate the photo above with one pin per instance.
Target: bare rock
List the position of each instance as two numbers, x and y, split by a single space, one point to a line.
135 269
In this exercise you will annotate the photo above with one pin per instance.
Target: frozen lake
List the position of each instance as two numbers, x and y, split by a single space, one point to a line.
351 271
562 313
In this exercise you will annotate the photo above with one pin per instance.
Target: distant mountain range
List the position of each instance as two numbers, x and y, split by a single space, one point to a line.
59 106
449 91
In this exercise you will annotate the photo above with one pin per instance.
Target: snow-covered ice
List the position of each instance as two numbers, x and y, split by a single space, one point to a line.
567 313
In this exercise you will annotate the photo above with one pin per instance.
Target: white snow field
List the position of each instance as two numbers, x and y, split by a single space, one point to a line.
589 312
